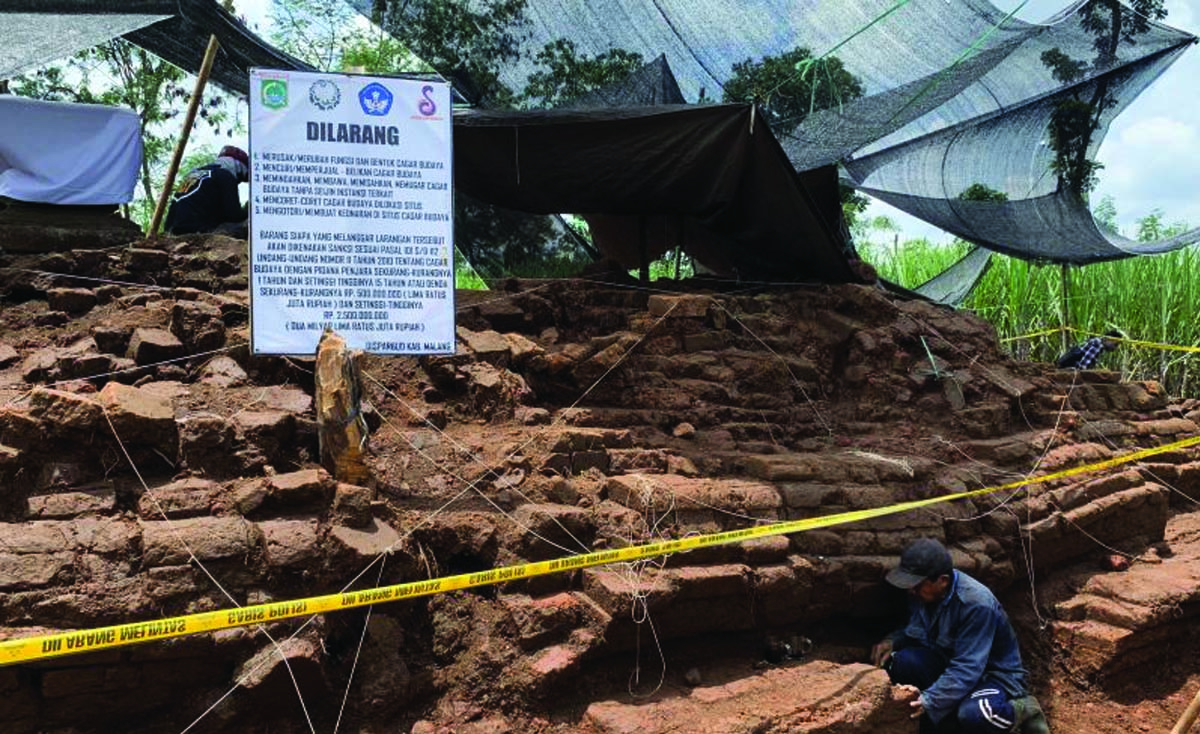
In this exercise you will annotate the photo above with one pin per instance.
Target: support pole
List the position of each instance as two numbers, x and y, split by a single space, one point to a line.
210 54
341 428
678 246
1066 308
643 250
1185 722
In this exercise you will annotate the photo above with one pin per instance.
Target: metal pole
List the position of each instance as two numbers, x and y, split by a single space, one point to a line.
1066 313
210 54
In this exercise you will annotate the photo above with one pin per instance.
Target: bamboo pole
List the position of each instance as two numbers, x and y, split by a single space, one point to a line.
210 55
1185 722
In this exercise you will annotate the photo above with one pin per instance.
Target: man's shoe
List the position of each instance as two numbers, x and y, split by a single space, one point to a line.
1028 716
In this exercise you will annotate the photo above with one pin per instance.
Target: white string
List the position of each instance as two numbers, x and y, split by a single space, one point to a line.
357 652
194 559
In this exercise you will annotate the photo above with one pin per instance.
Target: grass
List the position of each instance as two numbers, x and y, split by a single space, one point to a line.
1151 299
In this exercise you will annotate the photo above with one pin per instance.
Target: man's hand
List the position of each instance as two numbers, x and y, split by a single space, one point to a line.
881 653
912 696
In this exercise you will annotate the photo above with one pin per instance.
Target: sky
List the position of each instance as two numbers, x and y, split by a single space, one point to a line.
1150 155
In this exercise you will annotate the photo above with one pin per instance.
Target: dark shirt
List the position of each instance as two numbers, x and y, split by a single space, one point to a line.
206 198
971 629
1084 356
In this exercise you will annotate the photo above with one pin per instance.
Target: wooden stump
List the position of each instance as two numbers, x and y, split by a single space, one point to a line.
341 427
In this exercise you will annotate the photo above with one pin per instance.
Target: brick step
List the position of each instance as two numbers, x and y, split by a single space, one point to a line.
1120 621
816 698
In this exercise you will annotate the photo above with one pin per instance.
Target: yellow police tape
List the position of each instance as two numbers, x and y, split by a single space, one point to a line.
1129 342
71 643
1044 332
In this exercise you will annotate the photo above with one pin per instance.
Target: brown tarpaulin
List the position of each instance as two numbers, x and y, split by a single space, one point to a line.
712 178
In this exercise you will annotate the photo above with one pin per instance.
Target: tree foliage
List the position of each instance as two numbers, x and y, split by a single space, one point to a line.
314 31
567 75
982 192
791 86
1154 227
330 35
466 42
1105 214
1076 118
500 242
120 74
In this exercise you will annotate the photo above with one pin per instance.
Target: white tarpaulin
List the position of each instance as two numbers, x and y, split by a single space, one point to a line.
62 153
351 213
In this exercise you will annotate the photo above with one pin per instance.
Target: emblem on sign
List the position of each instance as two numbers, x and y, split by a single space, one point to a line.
324 95
427 106
274 94
375 99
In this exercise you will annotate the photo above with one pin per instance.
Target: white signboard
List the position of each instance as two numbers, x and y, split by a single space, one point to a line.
350 213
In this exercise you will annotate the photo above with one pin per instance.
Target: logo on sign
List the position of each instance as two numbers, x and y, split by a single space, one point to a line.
427 106
274 94
375 99
324 94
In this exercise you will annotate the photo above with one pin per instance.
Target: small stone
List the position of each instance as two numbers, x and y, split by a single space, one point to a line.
693 677
138 299
148 346
143 260
223 371
51 318
64 410
352 506
71 300
8 355
108 293
198 325
1115 562
111 340
532 416
684 430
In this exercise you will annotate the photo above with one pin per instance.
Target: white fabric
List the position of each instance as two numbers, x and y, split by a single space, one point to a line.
62 153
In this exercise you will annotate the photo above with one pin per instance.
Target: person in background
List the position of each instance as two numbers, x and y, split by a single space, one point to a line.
1085 356
958 650
206 199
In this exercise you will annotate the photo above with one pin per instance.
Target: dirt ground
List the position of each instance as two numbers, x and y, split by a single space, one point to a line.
570 411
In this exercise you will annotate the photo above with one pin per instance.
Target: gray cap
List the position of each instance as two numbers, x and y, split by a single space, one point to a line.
922 559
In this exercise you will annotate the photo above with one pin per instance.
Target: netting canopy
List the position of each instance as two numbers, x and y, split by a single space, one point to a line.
954 95
36 32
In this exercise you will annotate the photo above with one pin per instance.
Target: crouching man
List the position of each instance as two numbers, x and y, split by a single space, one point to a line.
206 199
958 649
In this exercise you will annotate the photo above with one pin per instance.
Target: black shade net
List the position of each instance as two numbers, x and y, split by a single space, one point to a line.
36 32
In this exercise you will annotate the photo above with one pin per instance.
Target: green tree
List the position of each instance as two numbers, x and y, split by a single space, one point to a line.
1105 214
982 192
466 42
569 75
501 242
121 74
379 53
331 36
313 31
1153 227
1076 118
791 86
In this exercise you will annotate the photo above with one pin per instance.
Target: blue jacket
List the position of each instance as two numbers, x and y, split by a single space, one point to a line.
971 629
